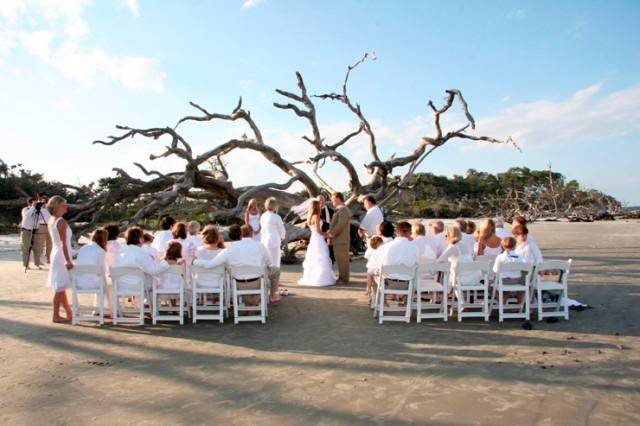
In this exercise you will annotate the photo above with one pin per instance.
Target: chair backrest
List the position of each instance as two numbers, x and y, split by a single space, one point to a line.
129 271
489 258
515 267
462 267
174 270
200 274
433 266
87 270
247 270
554 265
386 270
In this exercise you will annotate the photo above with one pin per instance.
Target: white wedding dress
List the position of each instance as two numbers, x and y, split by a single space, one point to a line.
317 270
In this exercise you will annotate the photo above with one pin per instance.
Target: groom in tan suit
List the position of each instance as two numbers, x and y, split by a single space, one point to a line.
340 234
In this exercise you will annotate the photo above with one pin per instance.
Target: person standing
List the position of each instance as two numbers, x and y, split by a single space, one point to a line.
339 232
28 227
59 278
371 219
42 236
252 218
326 213
273 232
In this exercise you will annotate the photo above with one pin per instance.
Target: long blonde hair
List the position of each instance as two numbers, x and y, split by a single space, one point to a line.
487 229
252 202
314 209
54 203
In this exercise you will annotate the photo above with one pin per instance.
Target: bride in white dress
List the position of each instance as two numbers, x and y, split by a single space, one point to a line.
316 268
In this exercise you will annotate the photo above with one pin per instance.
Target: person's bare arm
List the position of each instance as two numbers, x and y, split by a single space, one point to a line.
62 231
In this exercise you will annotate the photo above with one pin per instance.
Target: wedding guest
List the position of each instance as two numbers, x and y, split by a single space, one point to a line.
400 251
385 231
179 234
162 238
457 252
471 227
520 220
252 217
246 252
59 278
94 254
234 233
466 238
439 241
212 243
273 233
42 240
193 242
113 246
527 249
424 245
172 256
132 255
508 256
371 219
28 228
375 243
488 241
340 233
500 231
147 240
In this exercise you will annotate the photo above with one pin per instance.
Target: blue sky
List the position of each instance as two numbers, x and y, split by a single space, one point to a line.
560 77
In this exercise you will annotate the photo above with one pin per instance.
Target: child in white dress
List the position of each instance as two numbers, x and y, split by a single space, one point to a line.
374 243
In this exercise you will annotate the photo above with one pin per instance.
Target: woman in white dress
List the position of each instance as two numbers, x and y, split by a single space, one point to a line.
252 217
316 268
59 278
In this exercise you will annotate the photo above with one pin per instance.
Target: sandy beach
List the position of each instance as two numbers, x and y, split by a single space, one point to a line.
322 359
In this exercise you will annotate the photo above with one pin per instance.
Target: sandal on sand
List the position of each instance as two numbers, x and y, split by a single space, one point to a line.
284 292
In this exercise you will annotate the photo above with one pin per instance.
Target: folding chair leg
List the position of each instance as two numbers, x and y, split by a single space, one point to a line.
142 307
101 301
236 299
500 305
74 306
194 306
181 306
527 307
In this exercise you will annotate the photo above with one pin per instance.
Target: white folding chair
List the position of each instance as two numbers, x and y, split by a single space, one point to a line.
489 258
78 287
259 289
541 282
389 286
500 287
206 282
432 282
160 290
127 282
471 288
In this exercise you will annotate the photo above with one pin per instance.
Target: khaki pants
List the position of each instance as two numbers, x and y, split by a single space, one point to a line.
341 252
274 280
40 243
36 250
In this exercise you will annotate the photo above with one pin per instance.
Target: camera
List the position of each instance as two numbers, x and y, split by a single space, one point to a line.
38 206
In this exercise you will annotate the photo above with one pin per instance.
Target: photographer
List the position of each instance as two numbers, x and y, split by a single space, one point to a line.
28 226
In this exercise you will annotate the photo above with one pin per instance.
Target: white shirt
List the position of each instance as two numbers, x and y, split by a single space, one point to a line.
508 256
91 254
193 242
425 248
272 230
469 242
529 252
153 253
502 233
246 252
44 216
400 251
371 220
439 243
28 220
134 256
160 241
205 253
113 247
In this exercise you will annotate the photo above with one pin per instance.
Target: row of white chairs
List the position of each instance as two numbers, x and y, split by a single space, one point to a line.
192 294
432 294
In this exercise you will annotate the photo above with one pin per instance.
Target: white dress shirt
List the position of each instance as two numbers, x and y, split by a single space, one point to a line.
272 233
508 256
91 254
469 242
28 220
246 252
503 233
425 248
400 251
205 253
44 216
371 220
134 256
113 247
529 252
160 241
153 253
439 243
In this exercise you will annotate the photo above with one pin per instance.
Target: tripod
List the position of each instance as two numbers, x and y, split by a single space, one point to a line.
37 216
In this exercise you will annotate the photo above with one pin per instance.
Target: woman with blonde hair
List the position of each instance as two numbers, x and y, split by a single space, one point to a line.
488 241
316 268
59 278
457 252
252 218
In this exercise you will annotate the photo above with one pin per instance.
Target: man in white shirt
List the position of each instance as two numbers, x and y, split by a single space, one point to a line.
467 239
246 252
28 228
424 245
400 251
500 231
162 238
439 240
371 219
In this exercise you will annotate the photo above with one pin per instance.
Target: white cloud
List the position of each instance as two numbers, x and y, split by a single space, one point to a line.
132 6
64 104
248 4
37 43
10 9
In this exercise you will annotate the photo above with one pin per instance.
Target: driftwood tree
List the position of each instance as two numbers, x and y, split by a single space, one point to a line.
200 181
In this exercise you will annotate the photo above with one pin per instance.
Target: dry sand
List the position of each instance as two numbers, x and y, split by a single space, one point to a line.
322 359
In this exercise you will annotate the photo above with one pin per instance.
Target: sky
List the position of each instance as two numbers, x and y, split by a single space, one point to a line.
561 78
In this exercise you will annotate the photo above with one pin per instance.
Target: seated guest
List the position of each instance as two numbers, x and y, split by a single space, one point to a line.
132 255
426 250
456 252
246 252
488 241
527 249
466 239
93 254
235 234
172 256
400 251
374 244
371 219
212 243
471 227
439 241
194 240
179 234
162 238
500 231
508 256
520 220
385 230
113 246
147 240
